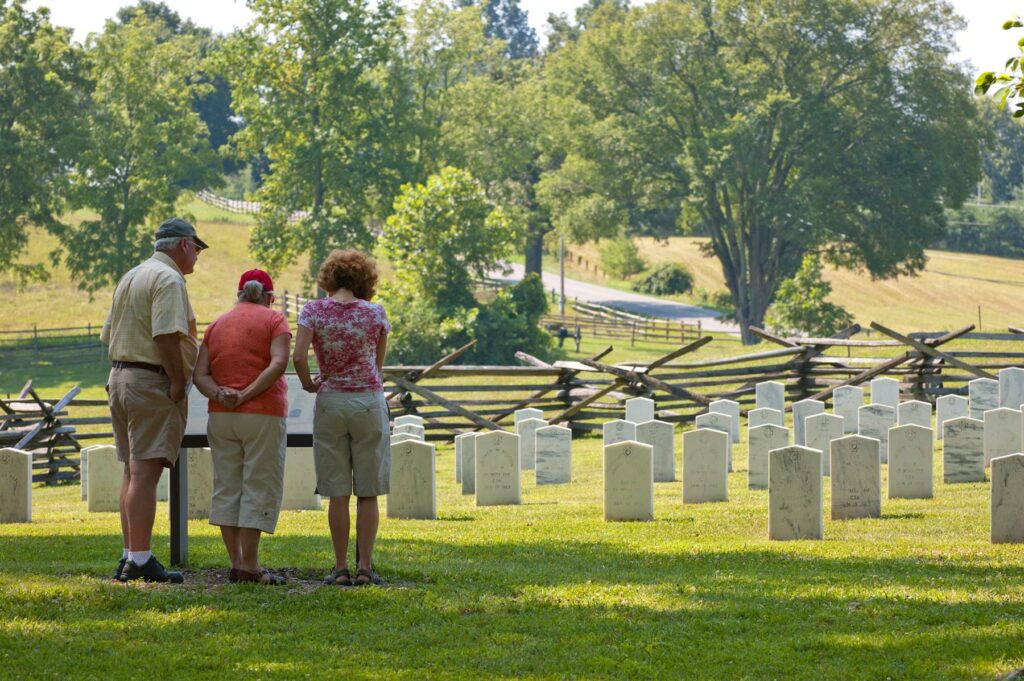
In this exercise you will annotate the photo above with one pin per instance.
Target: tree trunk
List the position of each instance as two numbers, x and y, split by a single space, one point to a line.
534 249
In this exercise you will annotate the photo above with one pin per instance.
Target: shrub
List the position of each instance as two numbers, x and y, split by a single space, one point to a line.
665 279
529 298
800 303
621 259
501 329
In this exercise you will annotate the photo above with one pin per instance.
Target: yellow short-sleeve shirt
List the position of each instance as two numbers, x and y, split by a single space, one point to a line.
150 300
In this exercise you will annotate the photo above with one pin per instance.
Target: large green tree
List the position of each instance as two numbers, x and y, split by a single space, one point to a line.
499 131
1003 150
309 84
776 127
145 147
213 103
441 48
41 98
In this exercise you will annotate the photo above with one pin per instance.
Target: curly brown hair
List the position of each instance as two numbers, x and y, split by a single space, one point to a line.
351 269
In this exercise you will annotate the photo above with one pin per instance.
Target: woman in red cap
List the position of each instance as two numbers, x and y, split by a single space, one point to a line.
241 370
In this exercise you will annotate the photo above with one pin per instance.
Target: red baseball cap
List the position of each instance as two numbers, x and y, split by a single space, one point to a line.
257 275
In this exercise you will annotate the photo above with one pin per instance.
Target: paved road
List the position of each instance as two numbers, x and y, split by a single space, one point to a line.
630 302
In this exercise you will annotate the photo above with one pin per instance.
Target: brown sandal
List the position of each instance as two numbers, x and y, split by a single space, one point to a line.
366 577
265 577
339 577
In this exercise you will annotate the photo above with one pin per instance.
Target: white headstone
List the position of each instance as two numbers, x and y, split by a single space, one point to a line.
856 478
821 430
497 469
639 410
765 416
875 420
554 455
1011 387
911 462
914 413
1002 433
404 437
661 437
983 394
1008 499
795 494
705 476
413 481
846 400
200 482
948 407
15 486
467 449
963 450
299 481
460 457
722 423
732 409
761 440
83 471
410 429
885 391
801 410
523 414
527 432
770 395
618 431
104 477
628 481
410 419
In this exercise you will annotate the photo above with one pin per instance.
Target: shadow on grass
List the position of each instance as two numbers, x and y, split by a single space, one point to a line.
49 379
529 608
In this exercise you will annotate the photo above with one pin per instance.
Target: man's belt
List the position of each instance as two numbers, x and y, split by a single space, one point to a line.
138 365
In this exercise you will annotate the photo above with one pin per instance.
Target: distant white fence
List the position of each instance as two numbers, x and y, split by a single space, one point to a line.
237 206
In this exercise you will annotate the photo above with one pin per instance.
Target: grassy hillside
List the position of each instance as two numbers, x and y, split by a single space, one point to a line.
59 302
945 295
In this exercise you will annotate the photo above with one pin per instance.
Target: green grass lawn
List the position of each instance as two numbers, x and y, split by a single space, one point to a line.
543 590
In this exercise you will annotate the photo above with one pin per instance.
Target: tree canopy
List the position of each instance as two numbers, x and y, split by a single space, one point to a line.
42 93
307 80
775 129
145 146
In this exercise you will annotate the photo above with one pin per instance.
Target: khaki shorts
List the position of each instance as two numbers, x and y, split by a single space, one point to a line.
350 444
248 469
147 425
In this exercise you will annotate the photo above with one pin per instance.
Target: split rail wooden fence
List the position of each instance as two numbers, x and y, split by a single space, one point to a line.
454 398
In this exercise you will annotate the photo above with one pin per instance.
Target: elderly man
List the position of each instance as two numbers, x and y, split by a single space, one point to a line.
151 334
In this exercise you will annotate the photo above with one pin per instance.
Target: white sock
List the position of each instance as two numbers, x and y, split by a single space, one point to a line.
140 558
124 553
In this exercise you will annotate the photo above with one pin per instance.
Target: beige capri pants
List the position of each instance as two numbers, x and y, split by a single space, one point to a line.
351 444
248 469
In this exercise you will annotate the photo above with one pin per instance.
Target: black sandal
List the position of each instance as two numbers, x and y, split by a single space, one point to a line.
339 577
371 578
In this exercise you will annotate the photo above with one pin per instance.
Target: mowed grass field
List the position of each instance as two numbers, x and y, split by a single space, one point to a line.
545 590
946 295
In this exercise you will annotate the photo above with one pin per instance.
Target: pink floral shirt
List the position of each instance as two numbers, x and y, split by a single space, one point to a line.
345 336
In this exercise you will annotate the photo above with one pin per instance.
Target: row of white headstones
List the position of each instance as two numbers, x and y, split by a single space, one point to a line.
489 465
849 446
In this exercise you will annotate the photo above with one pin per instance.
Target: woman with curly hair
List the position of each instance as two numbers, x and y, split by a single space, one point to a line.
351 450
